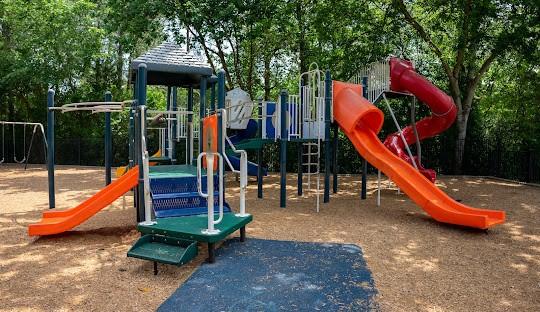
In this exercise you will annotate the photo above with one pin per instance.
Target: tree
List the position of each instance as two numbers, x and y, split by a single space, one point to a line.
467 37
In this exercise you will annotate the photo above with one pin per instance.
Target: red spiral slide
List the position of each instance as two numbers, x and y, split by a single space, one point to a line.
403 78
361 121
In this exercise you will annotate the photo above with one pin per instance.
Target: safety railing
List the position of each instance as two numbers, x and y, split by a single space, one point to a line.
145 167
243 165
209 195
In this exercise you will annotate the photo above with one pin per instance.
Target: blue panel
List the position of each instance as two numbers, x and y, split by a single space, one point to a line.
270 129
175 197
264 275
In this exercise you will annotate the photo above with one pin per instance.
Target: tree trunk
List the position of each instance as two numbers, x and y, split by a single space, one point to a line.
119 66
461 125
301 38
267 87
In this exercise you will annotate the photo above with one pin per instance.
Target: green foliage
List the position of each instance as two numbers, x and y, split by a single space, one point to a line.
484 53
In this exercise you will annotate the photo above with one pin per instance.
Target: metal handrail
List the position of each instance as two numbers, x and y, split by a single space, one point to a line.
211 230
243 164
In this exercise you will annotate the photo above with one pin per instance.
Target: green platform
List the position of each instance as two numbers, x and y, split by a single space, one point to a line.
162 160
173 171
163 249
191 227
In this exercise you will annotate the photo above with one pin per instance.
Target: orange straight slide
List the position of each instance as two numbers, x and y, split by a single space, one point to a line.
361 121
55 222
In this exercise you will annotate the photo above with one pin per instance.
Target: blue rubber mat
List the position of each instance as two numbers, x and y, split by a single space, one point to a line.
266 275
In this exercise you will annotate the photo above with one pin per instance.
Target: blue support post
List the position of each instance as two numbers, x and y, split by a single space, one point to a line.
165 152
283 150
335 157
131 129
108 141
202 110
363 194
327 154
299 152
141 100
190 127
260 154
174 125
213 86
221 105
50 147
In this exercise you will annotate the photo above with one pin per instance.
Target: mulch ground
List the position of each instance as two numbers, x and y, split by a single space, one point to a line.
417 263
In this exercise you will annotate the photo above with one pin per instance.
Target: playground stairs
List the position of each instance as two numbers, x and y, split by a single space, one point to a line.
174 194
178 197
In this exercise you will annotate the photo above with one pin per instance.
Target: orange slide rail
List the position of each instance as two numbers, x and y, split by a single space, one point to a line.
361 121
55 222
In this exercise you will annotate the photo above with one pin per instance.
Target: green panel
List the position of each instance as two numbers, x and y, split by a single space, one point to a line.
173 171
168 250
191 227
160 160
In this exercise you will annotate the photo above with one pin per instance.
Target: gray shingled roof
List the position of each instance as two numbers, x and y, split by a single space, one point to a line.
169 64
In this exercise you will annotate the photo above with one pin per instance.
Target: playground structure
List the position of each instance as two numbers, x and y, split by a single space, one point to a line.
177 204
36 128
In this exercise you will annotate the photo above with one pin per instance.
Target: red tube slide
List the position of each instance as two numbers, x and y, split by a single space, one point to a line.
403 78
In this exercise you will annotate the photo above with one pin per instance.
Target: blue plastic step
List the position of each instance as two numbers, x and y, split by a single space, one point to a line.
178 185
176 197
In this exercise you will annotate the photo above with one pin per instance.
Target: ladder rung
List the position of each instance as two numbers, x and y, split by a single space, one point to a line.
310 154
310 164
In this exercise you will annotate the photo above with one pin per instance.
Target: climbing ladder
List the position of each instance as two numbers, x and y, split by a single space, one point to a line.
312 86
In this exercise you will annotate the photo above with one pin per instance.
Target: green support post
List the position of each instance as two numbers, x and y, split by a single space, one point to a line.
283 150
131 129
141 100
327 154
50 147
108 141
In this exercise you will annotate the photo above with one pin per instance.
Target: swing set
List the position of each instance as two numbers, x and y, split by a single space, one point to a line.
25 152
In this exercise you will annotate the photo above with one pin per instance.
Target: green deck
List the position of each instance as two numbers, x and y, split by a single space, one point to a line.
191 227
173 171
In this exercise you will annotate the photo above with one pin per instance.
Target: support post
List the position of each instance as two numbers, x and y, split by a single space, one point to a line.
363 192
283 150
174 107
327 154
189 145
335 168
260 155
167 133
221 105
131 130
202 110
50 147
213 81
300 156
108 141
141 100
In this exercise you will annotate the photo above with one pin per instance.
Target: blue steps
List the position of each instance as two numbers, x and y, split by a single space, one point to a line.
178 196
